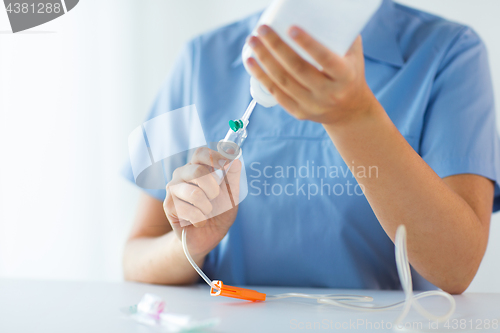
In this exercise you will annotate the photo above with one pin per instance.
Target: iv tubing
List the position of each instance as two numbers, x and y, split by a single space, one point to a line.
191 261
345 301
248 112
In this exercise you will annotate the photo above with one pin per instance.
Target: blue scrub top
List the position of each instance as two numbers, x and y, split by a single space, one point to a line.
433 79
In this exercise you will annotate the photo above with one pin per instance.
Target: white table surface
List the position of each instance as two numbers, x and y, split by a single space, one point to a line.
94 307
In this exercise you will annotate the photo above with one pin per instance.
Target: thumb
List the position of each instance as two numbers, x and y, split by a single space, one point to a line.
234 173
356 48
232 187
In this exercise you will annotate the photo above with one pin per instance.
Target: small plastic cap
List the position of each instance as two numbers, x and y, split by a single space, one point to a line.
151 304
235 125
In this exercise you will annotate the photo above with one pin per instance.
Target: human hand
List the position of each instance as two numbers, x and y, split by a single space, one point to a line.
196 201
336 94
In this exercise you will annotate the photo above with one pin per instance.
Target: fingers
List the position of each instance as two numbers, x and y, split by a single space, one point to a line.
188 214
277 72
200 176
209 157
180 212
205 161
234 167
169 208
356 50
283 98
332 63
193 195
300 69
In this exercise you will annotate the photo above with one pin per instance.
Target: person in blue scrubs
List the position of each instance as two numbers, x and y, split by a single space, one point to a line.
401 130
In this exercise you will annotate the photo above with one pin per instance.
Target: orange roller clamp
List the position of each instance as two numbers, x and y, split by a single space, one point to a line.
235 292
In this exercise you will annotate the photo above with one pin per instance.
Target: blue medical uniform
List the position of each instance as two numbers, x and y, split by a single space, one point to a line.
304 221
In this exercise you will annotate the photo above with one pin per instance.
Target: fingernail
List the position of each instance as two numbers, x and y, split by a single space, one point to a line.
220 175
200 224
252 41
222 163
184 223
263 30
251 62
294 32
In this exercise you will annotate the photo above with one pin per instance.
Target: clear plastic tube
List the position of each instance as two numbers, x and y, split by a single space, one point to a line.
404 273
345 301
248 112
193 263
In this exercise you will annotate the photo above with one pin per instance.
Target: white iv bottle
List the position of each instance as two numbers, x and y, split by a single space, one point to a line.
333 23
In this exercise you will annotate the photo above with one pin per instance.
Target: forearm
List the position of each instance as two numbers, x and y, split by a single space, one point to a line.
446 239
158 260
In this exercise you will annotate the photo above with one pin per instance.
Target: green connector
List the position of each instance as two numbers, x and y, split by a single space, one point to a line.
235 125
